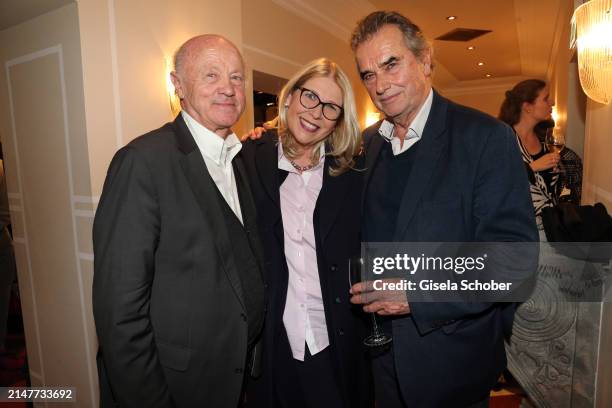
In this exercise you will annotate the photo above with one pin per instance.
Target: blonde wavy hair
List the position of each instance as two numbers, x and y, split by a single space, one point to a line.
345 140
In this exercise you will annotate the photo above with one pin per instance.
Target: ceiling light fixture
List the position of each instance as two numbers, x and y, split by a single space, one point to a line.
471 48
451 18
488 75
480 64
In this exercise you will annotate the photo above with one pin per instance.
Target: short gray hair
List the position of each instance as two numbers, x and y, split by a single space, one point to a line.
373 22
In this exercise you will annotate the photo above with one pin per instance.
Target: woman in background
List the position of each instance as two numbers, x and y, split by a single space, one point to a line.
526 105
307 194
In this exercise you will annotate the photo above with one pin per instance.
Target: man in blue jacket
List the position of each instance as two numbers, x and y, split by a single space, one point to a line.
435 172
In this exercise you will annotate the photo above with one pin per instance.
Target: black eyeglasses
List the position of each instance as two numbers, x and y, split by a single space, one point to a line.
311 100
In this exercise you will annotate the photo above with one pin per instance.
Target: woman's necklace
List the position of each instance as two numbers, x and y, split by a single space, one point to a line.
302 169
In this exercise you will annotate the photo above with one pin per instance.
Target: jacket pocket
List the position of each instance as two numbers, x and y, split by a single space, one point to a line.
174 357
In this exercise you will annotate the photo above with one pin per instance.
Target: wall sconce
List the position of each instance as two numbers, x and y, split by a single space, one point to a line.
175 104
372 118
593 34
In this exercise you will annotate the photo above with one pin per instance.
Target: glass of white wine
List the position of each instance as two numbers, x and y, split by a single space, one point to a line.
555 143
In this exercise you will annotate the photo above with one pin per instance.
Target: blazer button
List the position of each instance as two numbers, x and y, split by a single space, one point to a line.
333 268
244 317
239 371
338 300
341 332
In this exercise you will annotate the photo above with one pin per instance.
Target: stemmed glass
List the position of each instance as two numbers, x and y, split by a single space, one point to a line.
377 337
555 142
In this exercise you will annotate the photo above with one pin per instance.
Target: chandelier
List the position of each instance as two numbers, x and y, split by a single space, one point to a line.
593 35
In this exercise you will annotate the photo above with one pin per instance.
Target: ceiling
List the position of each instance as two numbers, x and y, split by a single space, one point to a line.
13 12
522 43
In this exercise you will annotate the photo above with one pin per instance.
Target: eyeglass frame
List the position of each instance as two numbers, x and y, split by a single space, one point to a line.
323 104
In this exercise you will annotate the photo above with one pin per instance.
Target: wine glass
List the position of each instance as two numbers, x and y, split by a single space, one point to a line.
377 337
555 142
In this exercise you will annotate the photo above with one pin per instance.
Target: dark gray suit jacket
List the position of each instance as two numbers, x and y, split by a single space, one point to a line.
167 297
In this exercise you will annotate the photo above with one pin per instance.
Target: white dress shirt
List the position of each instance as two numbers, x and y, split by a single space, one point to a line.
415 130
218 154
304 314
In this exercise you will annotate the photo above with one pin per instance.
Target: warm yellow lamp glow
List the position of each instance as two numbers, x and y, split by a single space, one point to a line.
175 104
593 23
555 114
372 118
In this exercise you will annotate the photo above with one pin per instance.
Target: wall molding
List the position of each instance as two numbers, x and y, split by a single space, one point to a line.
599 192
75 237
316 17
86 256
319 17
15 208
115 73
84 213
480 86
85 199
560 23
24 240
271 55
53 50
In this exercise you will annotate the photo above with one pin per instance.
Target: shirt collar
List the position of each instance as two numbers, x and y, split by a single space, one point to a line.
214 147
415 130
285 164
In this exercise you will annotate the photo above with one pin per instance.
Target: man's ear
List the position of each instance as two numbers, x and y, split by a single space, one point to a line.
426 58
176 82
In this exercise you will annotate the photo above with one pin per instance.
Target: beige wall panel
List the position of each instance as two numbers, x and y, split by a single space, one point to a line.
576 112
36 87
98 88
64 355
488 102
27 308
57 27
17 223
87 274
84 226
597 184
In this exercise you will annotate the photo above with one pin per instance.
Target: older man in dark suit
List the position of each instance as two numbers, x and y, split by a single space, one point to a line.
436 172
178 294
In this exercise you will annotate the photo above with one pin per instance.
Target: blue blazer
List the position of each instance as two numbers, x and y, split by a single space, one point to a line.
467 184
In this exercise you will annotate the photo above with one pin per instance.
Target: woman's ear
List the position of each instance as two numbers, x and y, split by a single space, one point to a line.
288 100
526 107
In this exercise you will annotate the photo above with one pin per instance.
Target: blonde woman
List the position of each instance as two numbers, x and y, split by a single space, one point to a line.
307 193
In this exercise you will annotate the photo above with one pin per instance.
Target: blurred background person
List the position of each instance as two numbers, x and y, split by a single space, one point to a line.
570 176
307 191
525 105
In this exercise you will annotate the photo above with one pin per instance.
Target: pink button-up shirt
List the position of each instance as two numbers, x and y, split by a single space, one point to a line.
304 316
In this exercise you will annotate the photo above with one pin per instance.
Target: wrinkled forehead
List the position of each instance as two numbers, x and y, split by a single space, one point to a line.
386 43
221 54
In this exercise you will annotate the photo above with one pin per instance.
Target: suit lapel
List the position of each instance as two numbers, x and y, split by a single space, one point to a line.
433 142
203 188
330 200
266 163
